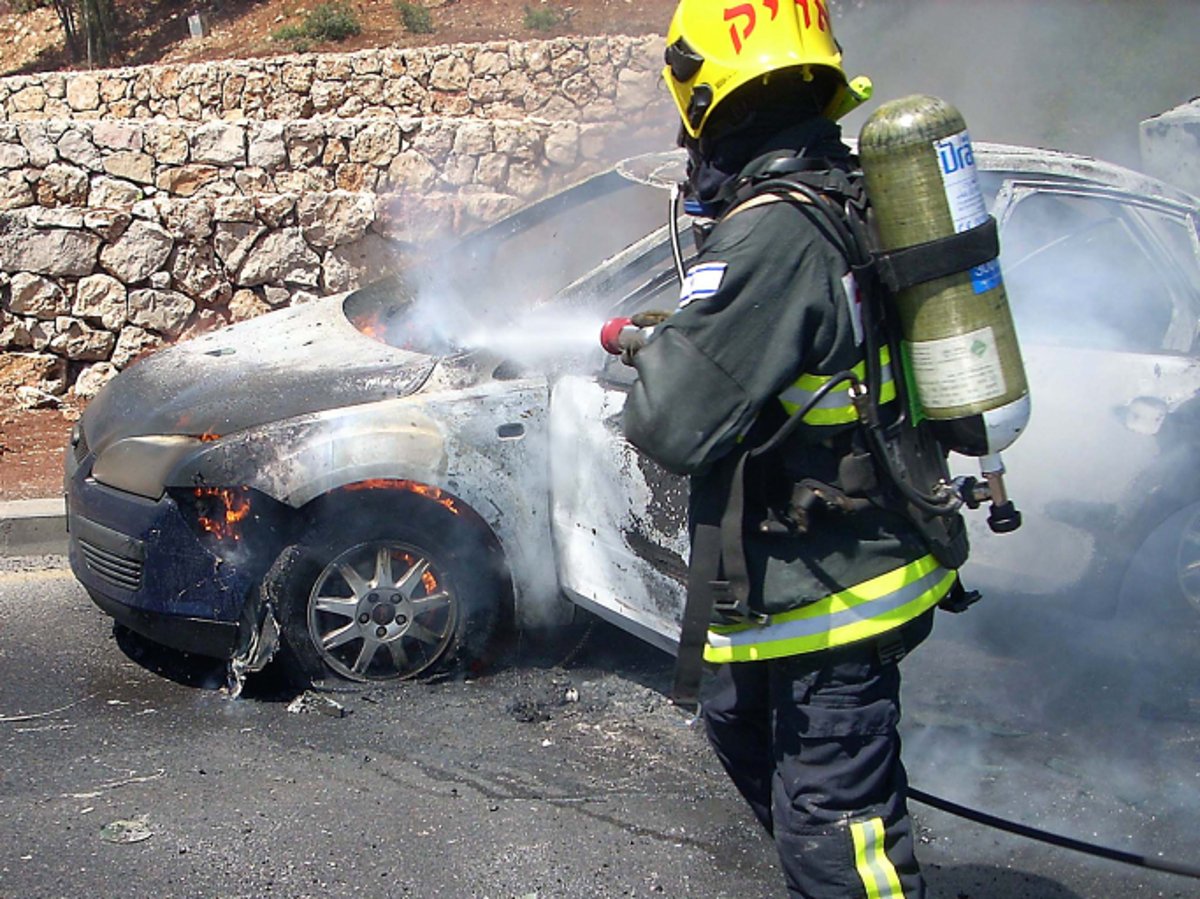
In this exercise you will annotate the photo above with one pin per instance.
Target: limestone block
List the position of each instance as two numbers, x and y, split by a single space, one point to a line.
233 209
275 210
267 148
246 304
162 311
83 92
117 135
356 177
37 142
411 171
219 143
376 143
187 180
131 165
28 99
76 146
304 141
281 257
55 252
62 184
562 144
234 240
196 272
142 249
167 143
450 73
108 223
93 377
101 298
13 156
134 343
474 139
80 342
330 220
37 297
15 191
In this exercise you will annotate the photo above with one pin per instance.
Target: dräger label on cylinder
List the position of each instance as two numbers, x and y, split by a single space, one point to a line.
956 160
957 371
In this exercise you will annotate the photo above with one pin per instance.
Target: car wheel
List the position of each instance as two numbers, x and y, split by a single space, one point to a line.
1187 559
382 605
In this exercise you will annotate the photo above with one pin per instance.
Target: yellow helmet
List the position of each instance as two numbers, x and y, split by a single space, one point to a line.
715 48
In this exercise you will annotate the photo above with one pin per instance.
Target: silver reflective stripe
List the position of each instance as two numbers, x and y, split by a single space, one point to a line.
875 869
798 628
837 399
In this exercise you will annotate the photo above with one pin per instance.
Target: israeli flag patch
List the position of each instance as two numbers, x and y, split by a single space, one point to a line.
702 281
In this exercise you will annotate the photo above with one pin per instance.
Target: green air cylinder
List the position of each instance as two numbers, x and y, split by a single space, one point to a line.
961 351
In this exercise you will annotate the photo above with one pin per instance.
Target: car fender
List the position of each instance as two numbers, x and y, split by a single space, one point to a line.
485 445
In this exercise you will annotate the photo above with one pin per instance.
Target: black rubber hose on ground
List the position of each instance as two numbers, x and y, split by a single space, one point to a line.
1054 839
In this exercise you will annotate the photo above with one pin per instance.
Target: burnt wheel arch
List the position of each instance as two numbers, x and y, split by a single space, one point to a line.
388 584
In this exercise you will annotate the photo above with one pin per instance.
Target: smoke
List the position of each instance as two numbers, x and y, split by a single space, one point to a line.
1075 75
1067 699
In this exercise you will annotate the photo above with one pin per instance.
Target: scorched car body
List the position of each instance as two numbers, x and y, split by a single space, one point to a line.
382 501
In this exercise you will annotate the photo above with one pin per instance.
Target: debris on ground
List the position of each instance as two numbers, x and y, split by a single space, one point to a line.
131 830
314 703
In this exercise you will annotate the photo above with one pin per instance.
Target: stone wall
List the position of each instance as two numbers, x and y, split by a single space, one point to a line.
139 206
578 79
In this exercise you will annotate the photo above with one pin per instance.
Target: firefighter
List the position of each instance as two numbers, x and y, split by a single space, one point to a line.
803 710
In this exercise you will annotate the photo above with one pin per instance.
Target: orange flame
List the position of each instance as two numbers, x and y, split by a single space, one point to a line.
226 508
440 497
373 326
209 437
427 579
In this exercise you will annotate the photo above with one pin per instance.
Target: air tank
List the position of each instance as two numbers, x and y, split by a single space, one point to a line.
960 346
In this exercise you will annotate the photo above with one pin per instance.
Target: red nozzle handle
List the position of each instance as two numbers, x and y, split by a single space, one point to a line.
610 334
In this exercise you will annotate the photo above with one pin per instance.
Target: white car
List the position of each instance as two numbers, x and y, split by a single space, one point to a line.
381 478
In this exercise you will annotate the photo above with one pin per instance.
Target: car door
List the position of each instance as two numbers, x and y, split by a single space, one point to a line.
1105 290
618 519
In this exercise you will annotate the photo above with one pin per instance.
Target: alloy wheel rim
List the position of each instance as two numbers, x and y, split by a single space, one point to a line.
1187 561
382 610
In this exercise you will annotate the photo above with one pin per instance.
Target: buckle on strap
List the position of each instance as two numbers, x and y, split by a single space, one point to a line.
728 609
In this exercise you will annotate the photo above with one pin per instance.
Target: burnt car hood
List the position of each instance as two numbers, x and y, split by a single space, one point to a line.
291 362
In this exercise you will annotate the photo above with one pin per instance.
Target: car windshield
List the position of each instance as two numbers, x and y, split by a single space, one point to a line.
441 303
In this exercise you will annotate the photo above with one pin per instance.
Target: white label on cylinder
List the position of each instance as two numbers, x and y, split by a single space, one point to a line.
957 371
956 160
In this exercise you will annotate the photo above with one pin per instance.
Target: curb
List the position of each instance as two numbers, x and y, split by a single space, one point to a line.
33 527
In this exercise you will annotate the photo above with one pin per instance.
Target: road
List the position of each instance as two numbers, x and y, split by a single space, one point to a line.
563 773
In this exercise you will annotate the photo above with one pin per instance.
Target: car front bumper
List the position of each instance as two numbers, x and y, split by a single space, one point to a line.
146 566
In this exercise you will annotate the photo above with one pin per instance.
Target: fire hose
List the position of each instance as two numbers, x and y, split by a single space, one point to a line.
1053 839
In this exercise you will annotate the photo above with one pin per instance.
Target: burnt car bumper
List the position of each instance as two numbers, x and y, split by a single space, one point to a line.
145 565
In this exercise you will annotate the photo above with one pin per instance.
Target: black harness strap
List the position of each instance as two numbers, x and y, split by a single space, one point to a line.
703 584
923 262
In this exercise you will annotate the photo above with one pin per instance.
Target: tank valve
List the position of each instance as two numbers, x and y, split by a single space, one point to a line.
1003 516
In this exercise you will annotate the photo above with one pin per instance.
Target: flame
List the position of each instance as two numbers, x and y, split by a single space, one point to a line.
440 497
225 507
209 437
428 581
373 326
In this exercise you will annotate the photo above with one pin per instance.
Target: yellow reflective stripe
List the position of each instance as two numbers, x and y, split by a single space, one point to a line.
848 616
874 867
834 408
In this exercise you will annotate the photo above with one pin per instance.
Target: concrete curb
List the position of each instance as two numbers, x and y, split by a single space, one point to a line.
33 527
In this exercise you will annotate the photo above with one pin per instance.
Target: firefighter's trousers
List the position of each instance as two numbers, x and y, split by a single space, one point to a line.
811 743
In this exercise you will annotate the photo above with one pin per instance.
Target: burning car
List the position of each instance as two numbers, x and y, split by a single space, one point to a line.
377 480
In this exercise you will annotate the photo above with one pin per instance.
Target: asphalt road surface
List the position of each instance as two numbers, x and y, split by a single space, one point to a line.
564 773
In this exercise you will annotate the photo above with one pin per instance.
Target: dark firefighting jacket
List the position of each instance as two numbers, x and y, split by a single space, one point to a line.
766 313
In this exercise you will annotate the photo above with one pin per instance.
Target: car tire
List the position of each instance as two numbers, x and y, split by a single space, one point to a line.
383 602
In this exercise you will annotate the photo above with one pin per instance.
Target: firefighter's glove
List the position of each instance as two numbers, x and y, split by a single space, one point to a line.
649 319
632 340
